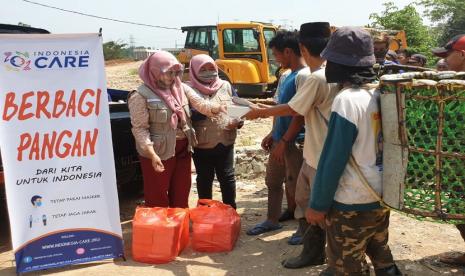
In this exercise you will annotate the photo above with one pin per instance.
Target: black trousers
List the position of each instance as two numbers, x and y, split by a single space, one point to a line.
219 160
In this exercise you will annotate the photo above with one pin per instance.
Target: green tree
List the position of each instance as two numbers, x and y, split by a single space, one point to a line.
114 50
449 15
419 38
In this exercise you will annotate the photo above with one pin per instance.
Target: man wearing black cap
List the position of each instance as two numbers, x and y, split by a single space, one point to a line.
349 169
454 55
313 101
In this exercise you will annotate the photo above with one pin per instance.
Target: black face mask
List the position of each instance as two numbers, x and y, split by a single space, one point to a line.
337 73
334 73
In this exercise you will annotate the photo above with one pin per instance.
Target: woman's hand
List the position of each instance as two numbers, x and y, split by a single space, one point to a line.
157 164
235 123
223 109
217 109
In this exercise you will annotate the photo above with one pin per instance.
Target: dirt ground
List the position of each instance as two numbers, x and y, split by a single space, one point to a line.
415 244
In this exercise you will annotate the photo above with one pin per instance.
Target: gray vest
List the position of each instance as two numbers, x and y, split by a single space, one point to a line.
162 134
208 132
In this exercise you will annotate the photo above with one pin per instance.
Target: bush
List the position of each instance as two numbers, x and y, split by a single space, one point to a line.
114 50
420 37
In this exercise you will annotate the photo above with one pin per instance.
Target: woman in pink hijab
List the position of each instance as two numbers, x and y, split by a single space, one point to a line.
214 152
162 128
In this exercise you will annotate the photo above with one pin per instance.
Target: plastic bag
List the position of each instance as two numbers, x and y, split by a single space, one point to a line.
159 234
215 226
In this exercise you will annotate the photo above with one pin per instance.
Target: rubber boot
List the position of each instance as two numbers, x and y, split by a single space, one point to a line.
393 270
313 252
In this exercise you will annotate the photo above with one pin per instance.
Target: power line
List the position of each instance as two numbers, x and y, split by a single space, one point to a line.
101 17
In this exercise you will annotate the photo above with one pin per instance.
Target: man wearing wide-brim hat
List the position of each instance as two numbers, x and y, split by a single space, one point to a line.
356 223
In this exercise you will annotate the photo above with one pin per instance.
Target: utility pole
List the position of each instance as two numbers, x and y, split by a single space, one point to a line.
132 45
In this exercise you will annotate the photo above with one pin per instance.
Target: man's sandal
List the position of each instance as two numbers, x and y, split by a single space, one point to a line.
263 227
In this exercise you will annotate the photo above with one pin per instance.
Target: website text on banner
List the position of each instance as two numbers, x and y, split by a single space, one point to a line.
57 151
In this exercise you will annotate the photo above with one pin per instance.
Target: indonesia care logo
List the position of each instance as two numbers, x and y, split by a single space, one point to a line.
46 60
17 61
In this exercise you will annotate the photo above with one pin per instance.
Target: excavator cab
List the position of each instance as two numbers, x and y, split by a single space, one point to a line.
240 49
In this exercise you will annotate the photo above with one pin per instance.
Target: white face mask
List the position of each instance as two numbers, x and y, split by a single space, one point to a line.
208 76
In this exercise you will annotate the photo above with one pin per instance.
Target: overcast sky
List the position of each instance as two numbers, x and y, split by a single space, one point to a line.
172 13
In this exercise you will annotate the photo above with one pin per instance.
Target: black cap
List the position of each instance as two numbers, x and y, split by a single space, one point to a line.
350 46
315 29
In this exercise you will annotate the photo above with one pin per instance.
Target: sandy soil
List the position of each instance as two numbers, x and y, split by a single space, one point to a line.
123 75
415 244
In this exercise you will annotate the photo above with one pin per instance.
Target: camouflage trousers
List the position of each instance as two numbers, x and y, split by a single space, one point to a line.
351 235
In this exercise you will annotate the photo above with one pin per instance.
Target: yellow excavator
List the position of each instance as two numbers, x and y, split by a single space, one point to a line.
240 49
398 38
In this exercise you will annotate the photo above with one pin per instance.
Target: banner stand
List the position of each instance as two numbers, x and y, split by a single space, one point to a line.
57 152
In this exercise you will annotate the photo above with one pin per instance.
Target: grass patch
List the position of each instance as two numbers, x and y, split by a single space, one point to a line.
245 141
133 72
